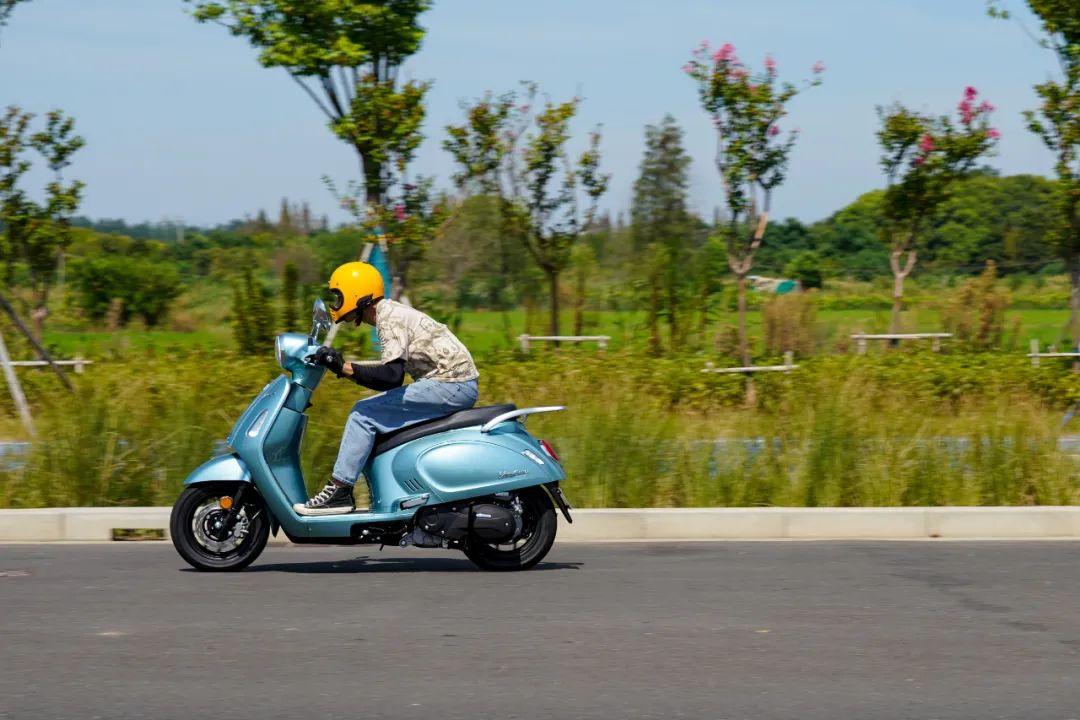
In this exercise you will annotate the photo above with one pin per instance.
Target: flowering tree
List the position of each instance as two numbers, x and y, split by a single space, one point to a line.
1057 123
407 221
922 156
751 152
506 149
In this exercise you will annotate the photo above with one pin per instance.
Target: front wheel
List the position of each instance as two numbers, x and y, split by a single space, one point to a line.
532 543
198 531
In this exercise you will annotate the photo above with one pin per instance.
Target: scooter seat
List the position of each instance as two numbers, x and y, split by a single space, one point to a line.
456 421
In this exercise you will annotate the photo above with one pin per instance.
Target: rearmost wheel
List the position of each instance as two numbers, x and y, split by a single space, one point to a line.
529 546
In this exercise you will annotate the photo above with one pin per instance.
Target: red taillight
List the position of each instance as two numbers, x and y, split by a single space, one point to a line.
549 450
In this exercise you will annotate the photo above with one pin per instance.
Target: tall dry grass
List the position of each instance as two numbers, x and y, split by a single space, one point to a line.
899 429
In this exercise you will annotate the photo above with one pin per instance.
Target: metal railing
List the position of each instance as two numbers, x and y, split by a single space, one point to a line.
527 340
788 366
862 338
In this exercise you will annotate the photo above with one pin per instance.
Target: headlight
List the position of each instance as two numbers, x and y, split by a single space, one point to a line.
279 351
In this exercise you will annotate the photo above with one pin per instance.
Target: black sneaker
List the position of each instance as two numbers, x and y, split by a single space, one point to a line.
333 499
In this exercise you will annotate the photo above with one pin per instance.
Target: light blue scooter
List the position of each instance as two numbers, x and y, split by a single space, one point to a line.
474 481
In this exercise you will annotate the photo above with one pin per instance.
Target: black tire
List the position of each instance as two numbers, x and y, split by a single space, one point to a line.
540 526
197 552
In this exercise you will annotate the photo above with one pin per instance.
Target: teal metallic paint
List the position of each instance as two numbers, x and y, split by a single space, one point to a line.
223 468
453 465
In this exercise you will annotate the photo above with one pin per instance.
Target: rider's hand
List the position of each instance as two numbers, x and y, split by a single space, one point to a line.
330 359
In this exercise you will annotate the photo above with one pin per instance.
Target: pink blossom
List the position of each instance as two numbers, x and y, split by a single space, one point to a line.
399 212
818 68
688 68
751 86
993 133
986 107
970 93
926 144
738 73
770 65
966 111
920 160
726 53
523 108
774 130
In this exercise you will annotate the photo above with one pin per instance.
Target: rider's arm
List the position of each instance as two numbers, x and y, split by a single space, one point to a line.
377 376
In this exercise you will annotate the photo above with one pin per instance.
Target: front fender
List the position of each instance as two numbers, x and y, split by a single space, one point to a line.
223 468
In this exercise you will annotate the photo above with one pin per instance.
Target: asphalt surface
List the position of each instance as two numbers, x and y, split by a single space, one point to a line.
668 630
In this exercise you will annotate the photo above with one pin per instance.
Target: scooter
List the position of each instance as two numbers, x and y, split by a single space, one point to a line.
474 481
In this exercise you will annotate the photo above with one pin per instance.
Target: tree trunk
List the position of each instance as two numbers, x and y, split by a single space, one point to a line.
579 306
654 312
897 303
553 284
40 311
899 275
744 344
672 308
1074 301
373 181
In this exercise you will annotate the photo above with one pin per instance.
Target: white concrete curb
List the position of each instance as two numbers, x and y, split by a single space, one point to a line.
89 524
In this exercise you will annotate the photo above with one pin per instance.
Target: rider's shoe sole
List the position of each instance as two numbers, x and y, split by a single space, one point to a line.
302 509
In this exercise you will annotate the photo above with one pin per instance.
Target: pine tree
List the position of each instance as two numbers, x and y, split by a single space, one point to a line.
285 221
659 213
305 219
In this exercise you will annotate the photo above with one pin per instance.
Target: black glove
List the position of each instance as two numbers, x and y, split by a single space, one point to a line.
329 358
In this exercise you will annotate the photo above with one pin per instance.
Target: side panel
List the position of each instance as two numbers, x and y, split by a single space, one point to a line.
465 463
223 468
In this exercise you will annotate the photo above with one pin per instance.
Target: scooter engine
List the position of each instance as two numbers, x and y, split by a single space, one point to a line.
489 522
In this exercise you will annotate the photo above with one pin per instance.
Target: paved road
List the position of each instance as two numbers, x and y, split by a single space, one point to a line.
694 630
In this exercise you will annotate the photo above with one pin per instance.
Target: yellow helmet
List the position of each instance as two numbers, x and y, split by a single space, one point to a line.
354 285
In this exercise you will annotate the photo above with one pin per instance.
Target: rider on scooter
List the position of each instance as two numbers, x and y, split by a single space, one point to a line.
443 372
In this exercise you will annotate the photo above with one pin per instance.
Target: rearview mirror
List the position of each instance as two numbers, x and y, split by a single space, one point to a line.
320 318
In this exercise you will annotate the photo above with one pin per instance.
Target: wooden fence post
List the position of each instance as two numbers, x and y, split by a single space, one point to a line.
524 340
1034 352
789 358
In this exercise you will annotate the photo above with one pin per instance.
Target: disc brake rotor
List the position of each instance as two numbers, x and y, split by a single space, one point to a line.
208 527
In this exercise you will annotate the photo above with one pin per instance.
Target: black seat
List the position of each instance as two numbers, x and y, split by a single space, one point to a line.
462 419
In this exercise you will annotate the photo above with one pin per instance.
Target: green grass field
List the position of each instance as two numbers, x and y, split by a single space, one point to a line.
484 331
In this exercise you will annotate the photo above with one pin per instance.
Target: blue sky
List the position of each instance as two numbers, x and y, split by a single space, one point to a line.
182 122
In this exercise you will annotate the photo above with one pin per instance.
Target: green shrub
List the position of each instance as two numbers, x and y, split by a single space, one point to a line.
131 286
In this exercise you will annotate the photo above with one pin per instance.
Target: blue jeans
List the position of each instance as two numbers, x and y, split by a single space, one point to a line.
393 410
